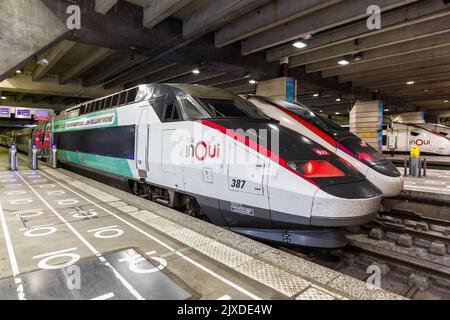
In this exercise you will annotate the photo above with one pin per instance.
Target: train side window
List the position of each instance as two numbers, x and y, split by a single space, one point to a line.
131 96
415 134
171 113
384 140
191 112
168 112
108 103
122 98
115 100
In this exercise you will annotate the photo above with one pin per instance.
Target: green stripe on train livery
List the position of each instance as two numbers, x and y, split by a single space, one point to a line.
112 165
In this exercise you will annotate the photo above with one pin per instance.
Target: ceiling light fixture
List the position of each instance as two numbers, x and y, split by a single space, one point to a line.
4 98
338 99
357 57
445 101
386 110
195 71
252 81
299 44
18 71
315 95
343 62
410 83
338 113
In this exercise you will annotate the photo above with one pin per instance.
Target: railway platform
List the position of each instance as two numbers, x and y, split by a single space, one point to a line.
435 162
65 236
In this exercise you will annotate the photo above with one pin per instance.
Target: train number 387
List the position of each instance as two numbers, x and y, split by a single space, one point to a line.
237 183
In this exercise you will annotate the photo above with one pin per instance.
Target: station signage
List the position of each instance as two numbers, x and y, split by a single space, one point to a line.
23 113
5 112
41 115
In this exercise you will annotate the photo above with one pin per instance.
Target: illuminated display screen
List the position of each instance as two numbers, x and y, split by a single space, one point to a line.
41 115
5 112
23 113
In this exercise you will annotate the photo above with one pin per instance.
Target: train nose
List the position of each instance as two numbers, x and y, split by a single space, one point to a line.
390 186
345 204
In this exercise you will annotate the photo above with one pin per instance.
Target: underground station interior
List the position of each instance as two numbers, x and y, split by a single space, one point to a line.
190 150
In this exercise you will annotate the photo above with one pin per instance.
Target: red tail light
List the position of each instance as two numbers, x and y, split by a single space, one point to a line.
316 169
365 157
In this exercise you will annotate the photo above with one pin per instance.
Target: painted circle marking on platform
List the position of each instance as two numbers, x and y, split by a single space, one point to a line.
15 192
56 193
47 186
109 233
35 231
134 267
67 202
29 213
21 201
44 263
85 214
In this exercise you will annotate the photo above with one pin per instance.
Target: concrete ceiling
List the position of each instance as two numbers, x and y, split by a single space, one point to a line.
123 43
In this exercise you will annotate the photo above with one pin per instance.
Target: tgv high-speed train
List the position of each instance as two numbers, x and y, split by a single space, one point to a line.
402 137
209 152
378 170
438 128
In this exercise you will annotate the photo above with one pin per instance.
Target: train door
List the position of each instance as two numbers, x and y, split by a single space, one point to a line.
142 141
247 182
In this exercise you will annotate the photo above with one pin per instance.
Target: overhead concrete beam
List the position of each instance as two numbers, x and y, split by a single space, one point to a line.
50 86
391 82
145 69
120 64
269 16
26 28
392 20
402 91
220 80
407 69
103 6
195 78
157 10
415 32
410 47
330 17
217 13
53 56
164 75
397 60
97 55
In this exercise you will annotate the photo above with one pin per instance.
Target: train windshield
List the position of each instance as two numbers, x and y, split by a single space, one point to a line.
229 108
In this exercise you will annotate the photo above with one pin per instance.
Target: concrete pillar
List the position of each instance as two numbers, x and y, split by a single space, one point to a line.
282 88
366 121
26 27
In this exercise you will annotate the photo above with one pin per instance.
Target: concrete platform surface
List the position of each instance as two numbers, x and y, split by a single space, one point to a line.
64 236
435 185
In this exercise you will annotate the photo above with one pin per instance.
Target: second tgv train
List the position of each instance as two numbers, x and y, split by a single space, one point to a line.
401 137
377 169
438 128
211 153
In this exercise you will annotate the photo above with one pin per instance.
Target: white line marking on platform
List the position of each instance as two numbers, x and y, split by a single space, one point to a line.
104 296
86 243
198 265
12 256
